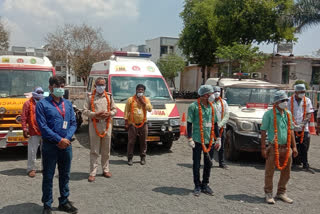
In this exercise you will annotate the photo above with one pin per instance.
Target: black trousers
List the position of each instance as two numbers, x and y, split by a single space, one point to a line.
196 156
303 149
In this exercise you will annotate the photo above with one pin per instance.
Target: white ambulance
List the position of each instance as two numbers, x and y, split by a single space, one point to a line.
123 72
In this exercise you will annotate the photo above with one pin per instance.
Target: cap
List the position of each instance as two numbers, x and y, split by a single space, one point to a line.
205 89
216 88
280 95
300 87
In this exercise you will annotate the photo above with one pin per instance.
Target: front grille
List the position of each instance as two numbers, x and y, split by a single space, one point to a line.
9 120
158 105
155 126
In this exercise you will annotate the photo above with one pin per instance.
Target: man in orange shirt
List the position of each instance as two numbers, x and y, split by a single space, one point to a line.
135 115
31 130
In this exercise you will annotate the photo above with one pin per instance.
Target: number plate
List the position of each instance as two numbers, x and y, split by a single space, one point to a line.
153 138
16 139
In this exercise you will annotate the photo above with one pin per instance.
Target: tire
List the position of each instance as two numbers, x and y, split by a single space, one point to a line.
167 145
230 152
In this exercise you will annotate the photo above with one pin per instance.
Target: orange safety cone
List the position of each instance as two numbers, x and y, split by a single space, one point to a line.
183 126
312 126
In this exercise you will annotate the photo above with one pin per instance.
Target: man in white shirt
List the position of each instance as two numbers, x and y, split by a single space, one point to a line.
301 109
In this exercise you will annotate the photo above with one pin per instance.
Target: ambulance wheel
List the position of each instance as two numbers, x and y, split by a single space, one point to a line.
167 145
230 152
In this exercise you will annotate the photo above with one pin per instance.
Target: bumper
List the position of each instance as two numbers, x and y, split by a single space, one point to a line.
249 142
12 139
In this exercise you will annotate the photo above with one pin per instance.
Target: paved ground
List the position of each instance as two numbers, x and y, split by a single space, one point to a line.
164 185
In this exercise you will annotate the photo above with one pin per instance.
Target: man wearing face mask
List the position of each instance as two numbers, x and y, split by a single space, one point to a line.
276 125
57 123
301 109
202 127
135 115
100 108
31 129
222 110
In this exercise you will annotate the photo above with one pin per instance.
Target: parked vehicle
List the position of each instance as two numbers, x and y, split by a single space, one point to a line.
18 77
123 72
248 100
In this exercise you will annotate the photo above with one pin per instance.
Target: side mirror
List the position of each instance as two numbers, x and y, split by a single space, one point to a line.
66 94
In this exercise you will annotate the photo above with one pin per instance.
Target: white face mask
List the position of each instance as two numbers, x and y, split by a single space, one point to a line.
301 95
139 94
100 88
211 98
216 94
283 105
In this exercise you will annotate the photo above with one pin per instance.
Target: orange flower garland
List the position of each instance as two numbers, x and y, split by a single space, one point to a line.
212 135
32 118
134 99
304 116
94 119
276 146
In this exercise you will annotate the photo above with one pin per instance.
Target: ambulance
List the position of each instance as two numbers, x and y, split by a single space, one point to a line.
19 75
123 72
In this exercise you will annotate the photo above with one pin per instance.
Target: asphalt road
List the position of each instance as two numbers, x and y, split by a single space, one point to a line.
163 185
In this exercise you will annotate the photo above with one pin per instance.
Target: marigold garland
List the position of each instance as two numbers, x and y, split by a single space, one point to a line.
94 119
304 116
32 121
276 146
134 99
212 134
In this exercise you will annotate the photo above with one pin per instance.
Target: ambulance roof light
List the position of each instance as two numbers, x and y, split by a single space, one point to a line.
132 54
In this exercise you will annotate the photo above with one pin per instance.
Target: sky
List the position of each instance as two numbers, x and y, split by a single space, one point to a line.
123 22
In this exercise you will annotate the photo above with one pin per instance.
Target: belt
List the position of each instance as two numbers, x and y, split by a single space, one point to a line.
280 146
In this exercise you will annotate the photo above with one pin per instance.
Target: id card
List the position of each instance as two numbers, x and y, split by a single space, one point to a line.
139 111
65 125
208 125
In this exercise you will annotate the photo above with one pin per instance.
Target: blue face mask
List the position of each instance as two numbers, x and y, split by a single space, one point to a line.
58 92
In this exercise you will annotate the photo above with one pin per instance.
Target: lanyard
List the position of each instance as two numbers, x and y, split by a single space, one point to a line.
63 109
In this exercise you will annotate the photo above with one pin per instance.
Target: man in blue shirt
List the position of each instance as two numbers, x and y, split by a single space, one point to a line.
57 123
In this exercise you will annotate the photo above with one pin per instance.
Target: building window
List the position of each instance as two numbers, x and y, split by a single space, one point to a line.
315 75
78 79
163 50
171 50
149 50
285 74
58 68
69 80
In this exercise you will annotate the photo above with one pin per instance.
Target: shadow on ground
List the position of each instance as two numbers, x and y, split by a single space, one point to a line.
78 176
245 198
14 172
21 208
172 190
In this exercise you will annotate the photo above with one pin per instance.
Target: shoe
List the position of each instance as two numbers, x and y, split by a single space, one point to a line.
91 178
196 191
207 190
130 163
269 198
284 198
143 161
32 173
68 207
223 166
107 174
47 210
308 169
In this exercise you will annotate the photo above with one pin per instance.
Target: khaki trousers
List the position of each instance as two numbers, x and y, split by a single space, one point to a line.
99 146
270 167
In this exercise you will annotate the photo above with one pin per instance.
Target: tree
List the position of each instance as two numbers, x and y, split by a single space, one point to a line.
306 13
4 36
79 47
198 40
302 82
248 59
170 66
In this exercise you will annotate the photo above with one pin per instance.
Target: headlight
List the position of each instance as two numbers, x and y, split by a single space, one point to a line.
2 110
163 128
118 122
246 126
18 119
174 122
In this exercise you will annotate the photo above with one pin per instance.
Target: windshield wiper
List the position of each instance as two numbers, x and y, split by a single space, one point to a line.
17 95
123 99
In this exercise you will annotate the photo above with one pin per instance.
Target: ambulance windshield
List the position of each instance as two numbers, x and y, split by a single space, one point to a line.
125 87
15 83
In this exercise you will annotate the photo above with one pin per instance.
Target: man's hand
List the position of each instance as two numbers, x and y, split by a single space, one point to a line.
25 134
295 152
64 143
99 114
126 125
141 100
105 115
217 144
264 153
191 143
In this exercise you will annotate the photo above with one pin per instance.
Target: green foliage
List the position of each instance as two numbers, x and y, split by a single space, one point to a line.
302 82
306 13
4 36
248 59
170 66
